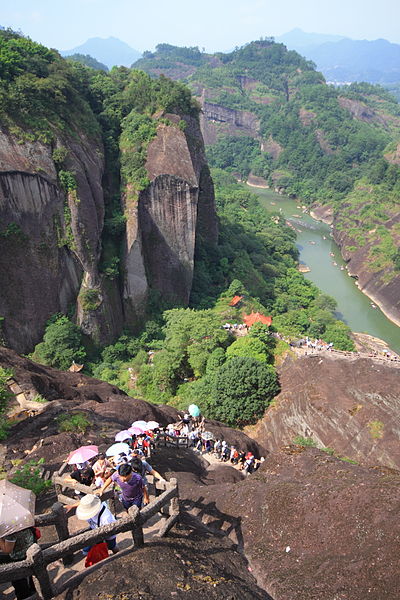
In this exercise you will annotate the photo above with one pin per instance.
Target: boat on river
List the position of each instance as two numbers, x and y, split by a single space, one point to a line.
304 268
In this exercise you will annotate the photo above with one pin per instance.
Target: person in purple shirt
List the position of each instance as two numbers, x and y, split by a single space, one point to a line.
131 485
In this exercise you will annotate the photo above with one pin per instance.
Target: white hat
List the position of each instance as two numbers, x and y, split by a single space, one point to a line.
89 506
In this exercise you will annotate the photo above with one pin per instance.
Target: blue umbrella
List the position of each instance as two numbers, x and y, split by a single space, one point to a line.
194 410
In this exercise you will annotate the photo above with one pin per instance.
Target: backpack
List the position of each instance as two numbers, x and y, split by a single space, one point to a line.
96 553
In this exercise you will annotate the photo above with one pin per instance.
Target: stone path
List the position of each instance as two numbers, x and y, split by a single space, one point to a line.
351 356
59 574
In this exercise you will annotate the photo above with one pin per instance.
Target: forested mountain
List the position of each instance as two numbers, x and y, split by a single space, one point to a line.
88 61
267 111
110 51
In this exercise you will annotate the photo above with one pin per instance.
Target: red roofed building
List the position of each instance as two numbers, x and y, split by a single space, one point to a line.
256 318
235 300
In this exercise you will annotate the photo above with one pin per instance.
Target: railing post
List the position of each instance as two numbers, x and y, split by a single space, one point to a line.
111 503
35 555
57 486
137 529
172 511
61 524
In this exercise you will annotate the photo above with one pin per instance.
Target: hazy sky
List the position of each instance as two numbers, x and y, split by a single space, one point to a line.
213 24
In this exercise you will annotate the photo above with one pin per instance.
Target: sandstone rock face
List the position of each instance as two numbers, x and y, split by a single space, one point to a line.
186 563
312 527
229 121
50 240
38 277
361 111
272 147
165 218
349 405
322 213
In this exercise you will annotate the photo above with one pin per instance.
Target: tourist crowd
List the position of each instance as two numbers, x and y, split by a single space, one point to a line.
125 465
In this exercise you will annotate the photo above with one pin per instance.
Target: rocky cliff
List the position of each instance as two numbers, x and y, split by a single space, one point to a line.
378 281
350 405
51 236
164 219
220 120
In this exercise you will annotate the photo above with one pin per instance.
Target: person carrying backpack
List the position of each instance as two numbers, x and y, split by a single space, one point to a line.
91 509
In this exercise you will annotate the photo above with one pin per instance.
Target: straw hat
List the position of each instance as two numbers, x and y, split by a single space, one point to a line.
89 506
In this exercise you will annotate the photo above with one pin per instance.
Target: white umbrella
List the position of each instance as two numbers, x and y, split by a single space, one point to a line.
116 449
153 425
141 424
207 435
17 508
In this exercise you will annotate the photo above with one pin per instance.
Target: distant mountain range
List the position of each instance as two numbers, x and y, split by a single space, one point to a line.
343 60
297 39
340 59
109 51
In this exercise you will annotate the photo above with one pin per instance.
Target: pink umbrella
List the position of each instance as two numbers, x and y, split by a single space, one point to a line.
82 454
153 425
123 435
136 430
141 424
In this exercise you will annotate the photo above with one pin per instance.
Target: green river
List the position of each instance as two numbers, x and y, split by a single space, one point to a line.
316 248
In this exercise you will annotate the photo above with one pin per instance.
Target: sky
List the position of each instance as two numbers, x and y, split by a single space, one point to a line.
215 25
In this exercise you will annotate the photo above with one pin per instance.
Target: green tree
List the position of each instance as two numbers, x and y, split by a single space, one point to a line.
338 334
62 344
236 288
242 390
249 347
193 335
